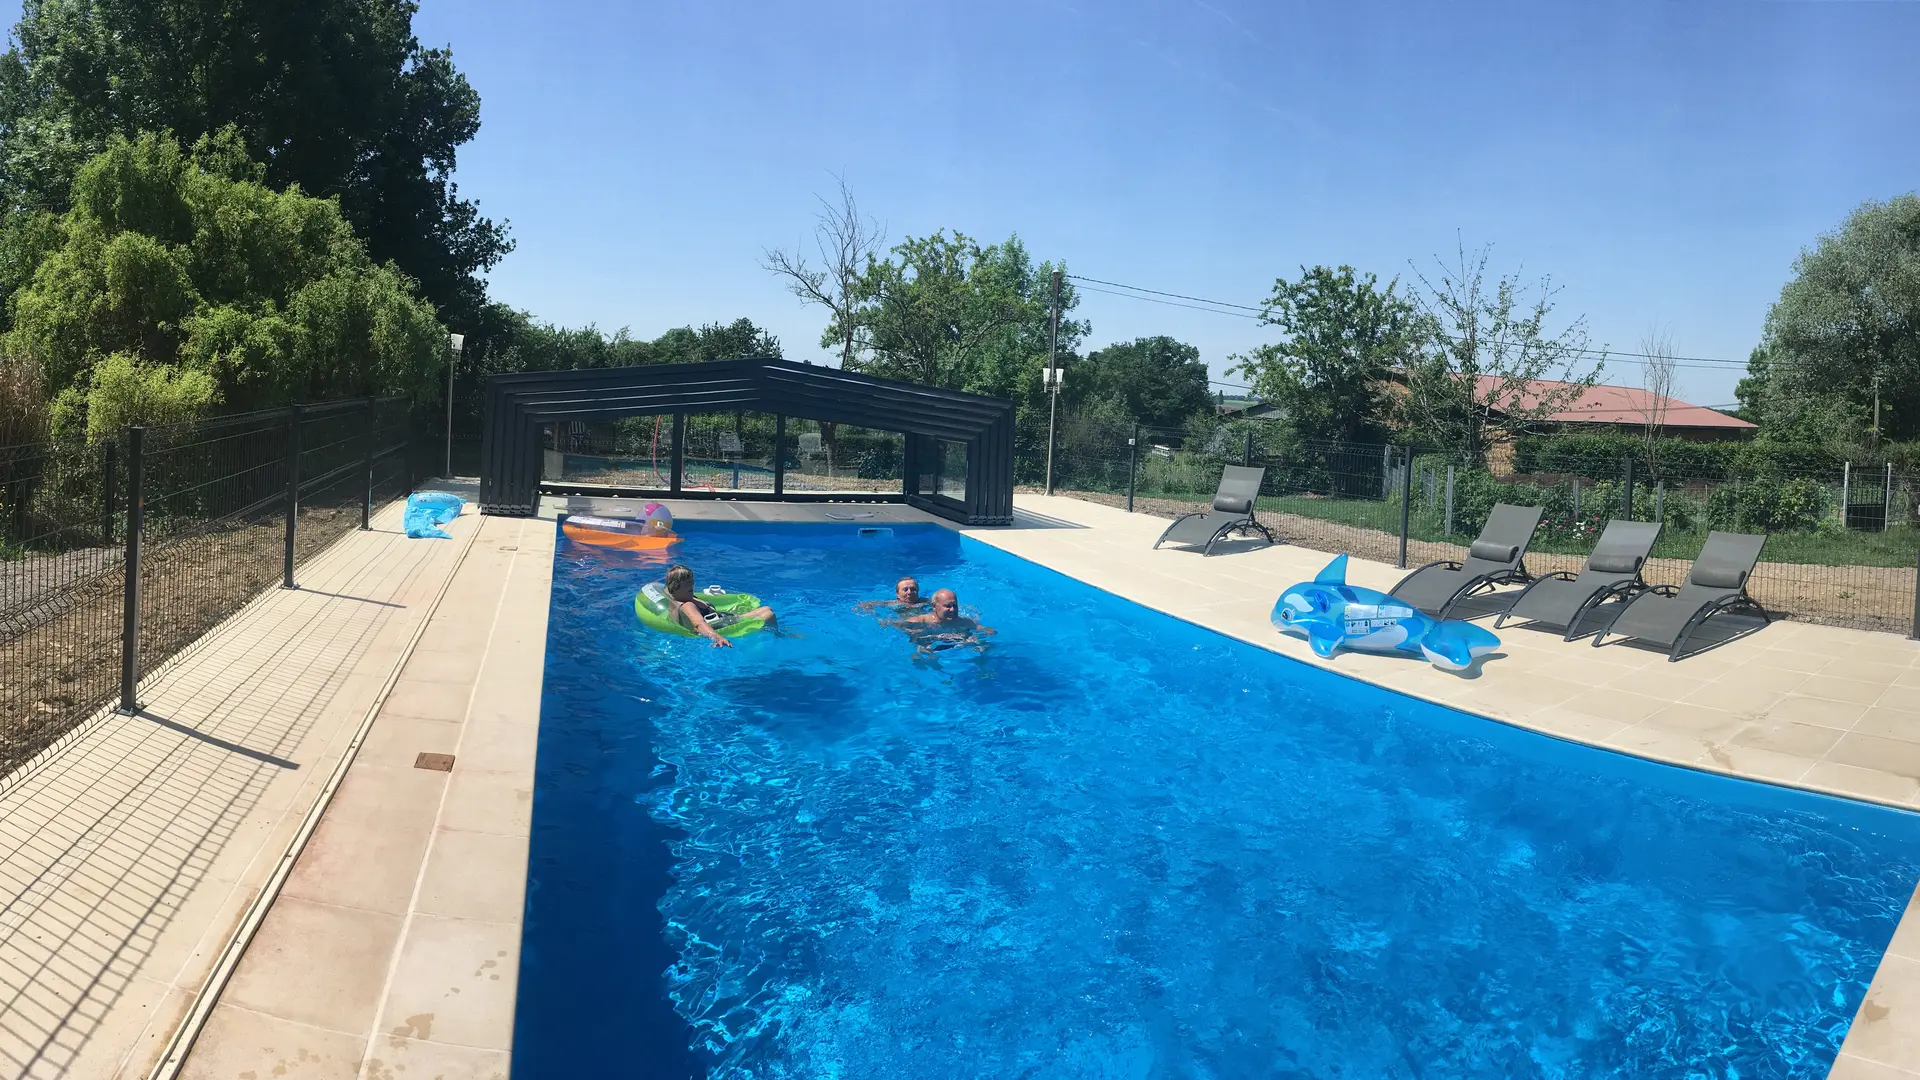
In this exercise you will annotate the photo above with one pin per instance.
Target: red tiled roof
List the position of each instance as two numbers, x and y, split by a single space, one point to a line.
1618 405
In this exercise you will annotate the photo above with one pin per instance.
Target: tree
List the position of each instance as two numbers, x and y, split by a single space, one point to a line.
1751 391
1155 381
337 96
1345 336
1490 371
846 241
176 285
1656 378
516 342
1843 340
944 311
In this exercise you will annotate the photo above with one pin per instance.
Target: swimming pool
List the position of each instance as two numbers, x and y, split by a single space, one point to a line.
1118 845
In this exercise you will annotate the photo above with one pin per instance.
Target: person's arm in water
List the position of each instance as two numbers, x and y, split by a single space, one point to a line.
690 615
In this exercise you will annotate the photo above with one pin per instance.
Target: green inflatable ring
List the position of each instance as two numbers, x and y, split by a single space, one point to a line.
653 605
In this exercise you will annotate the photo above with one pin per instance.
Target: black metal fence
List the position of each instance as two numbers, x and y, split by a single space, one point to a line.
117 555
1843 542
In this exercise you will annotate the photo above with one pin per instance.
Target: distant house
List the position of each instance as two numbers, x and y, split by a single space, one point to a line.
1624 408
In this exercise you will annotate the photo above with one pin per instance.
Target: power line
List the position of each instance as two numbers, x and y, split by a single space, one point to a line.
1693 363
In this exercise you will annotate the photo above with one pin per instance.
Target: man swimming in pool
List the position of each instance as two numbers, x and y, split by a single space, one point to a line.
943 627
906 598
699 616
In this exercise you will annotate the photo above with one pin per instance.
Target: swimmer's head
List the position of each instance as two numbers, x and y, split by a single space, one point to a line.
680 583
907 591
945 605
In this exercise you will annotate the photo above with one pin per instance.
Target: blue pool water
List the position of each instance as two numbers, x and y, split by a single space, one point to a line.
1119 846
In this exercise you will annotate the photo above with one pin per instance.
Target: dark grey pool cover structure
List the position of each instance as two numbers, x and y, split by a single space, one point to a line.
518 406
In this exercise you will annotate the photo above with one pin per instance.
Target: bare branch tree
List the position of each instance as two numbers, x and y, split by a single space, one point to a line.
846 240
1657 379
1492 370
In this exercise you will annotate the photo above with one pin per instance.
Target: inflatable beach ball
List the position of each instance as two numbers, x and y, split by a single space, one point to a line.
659 519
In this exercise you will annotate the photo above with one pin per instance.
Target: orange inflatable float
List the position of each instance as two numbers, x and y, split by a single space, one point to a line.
649 534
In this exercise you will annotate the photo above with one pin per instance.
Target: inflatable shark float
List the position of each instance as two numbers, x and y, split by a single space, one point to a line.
1330 613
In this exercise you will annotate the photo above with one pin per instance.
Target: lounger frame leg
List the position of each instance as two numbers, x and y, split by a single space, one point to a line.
1731 603
1170 528
1225 531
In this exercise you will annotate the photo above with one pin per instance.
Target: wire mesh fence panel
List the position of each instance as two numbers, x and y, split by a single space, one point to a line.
61 578
828 458
636 452
1842 547
731 451
214 510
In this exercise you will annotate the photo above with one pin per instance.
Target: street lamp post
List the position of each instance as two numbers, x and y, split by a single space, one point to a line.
454 341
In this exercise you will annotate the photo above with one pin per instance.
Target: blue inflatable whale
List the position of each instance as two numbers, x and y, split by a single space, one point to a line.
1330 613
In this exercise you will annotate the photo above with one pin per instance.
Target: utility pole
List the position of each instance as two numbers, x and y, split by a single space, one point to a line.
1053 375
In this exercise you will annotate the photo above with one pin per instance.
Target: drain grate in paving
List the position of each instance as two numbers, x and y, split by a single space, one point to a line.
436 762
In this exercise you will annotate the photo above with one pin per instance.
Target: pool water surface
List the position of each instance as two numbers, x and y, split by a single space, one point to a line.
1118 845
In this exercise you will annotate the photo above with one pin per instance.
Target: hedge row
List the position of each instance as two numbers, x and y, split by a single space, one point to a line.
1601 454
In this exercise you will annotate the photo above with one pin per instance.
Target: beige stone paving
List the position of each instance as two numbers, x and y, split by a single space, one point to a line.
128 858
393 949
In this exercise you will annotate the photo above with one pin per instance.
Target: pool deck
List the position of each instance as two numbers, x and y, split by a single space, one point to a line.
258 879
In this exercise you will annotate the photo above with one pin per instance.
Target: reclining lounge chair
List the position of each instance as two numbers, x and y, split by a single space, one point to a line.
1612 572
1497 558
1667 616
1232 512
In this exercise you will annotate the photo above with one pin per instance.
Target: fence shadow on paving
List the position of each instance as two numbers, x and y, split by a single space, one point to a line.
1842 543
208 513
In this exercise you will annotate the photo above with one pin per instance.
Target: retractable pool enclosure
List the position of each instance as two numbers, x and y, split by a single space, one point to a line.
955 460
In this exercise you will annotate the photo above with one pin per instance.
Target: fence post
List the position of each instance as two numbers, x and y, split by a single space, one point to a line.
106 493
130 592
1246 456
293 494
1576 500
1406 499
366 495
1846 490
1626 514
780 454
1660 501
1449 500
1133 463
1886 500
678 469
1917 606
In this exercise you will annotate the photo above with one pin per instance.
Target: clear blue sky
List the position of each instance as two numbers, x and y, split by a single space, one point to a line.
1664 162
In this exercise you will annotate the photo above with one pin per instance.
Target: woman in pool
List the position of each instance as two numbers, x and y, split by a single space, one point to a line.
699 616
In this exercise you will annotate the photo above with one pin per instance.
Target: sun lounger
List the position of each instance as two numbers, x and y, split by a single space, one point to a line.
1564 599
1232 512
1497 558
1667 616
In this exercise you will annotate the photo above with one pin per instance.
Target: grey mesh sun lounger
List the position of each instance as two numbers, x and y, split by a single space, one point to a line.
1497 558
1563 598
1232 512
1667 616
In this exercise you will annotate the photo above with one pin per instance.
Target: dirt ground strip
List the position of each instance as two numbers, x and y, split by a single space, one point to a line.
1867 598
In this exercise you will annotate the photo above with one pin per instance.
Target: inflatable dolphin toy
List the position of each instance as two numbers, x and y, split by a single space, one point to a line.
1330 613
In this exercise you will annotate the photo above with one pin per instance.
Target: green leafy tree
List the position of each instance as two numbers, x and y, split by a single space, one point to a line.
1751 391
516 342
1345 337
1491 371
945 311
177 285
1845 332
337 96
1156 381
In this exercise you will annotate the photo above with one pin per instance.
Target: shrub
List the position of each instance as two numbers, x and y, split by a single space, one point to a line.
1770 504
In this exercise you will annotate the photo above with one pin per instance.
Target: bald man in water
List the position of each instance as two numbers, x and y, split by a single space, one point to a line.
943 627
